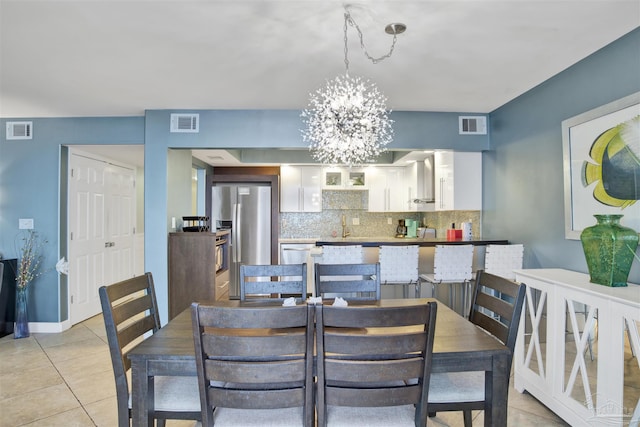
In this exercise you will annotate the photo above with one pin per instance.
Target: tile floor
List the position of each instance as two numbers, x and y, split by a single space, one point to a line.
66 380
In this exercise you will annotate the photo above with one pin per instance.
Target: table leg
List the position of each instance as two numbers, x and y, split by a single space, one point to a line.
497 392
141 393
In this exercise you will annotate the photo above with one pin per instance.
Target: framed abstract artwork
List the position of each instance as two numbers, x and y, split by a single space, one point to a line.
601 149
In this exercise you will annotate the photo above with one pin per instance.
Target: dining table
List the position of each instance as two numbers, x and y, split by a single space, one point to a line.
459 345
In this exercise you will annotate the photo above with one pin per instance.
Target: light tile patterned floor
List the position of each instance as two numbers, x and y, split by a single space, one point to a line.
66 380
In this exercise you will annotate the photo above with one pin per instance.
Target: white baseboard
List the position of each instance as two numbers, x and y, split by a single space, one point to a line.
49 327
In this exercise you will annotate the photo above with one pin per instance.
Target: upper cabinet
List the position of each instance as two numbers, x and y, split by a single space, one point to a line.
301 189
388 191
458 180
339 178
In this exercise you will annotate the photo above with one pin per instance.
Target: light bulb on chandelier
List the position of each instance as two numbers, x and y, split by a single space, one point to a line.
347 120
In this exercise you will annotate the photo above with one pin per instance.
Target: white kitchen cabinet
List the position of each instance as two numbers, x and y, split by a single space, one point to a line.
300 189
388 191
339 178
458 180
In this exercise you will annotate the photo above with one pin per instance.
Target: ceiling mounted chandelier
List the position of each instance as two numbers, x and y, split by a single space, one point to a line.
347 121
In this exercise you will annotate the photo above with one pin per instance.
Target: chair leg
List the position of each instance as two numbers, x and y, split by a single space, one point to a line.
161 422
431 414
467 418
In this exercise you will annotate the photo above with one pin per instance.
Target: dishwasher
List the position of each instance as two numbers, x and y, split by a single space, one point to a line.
299 253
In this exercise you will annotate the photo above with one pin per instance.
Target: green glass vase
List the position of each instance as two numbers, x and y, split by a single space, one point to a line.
609 249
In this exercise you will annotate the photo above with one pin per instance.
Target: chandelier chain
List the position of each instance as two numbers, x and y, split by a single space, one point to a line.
349 19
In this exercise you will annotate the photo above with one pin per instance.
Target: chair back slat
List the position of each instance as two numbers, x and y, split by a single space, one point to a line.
378 345
132 332
491 325
290 343
372 317
254 358
391 370
132 307
257 399
232 371
249 317
383 396
496 305
388 364
356 281
282 279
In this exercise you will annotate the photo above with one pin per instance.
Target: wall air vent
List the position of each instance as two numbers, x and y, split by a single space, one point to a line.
19 130
472 125
185 123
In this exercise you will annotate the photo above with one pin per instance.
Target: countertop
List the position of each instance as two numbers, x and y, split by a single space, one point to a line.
394 241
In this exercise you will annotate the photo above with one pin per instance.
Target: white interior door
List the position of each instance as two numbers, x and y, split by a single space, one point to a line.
120 219
101 231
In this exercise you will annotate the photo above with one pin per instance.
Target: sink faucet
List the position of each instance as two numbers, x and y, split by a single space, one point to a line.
345 233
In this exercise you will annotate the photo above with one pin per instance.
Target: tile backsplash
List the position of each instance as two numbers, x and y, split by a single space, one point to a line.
353 204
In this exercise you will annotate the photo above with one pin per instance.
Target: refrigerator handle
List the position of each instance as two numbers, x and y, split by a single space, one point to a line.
234 233
238 232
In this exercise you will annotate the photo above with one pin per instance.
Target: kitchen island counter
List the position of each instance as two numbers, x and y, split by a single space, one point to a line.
399 241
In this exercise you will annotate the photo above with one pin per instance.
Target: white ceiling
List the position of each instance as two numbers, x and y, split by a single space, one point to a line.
118 58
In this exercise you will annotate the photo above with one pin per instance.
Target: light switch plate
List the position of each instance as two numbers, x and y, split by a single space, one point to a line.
25 223
356 221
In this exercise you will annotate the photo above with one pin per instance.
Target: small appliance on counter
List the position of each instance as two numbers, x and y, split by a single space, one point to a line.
426 233
412 227
401 229
453 233
466 231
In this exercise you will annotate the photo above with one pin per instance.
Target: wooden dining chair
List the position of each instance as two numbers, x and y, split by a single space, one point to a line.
355 281
377 378
499 316
255 364
130 314
280 281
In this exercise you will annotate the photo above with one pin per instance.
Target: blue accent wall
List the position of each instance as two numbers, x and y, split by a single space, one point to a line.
30 187
523 186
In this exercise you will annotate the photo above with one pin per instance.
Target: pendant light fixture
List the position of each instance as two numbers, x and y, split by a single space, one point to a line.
347 120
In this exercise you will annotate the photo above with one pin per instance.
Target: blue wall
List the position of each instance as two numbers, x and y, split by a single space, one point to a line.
30 187
523 172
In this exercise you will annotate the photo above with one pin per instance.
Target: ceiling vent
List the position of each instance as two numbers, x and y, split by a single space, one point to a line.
185 123
472 125
19 130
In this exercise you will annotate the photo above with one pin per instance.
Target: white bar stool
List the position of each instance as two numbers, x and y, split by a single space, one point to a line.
452 264
399 266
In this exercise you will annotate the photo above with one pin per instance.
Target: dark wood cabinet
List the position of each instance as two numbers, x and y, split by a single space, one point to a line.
8 269
193 269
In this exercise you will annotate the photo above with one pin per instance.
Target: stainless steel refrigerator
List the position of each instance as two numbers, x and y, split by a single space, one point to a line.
244 209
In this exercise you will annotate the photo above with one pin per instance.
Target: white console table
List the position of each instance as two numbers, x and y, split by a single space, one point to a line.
555 365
